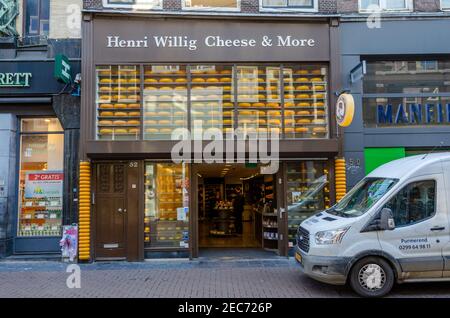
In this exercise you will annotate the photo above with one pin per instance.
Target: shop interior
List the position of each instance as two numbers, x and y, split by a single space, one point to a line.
236 207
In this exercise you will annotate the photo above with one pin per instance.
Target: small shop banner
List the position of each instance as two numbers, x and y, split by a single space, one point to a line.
47 184
69 241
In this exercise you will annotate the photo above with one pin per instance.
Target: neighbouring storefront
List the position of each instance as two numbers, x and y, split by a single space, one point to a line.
39 148
403 100
145 77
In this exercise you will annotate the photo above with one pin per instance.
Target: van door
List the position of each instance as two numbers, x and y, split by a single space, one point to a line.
421 227
446 249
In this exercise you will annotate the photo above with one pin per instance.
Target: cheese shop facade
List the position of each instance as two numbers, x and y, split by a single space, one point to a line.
147 76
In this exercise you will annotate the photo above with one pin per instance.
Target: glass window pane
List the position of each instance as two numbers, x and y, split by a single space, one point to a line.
307 192
41 185
259 100
118 102
212 100
367 4
408 111
165 101
445 4
274 3
232 4
305 101
40 125
166 220
414 203
396 4
301 3
32 17
407 77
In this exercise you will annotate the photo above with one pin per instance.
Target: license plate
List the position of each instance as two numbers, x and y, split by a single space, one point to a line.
298 257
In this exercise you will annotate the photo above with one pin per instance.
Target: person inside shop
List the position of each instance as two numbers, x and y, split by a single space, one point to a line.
238 208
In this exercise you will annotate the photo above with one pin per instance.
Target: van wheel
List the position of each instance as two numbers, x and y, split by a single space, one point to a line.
372 277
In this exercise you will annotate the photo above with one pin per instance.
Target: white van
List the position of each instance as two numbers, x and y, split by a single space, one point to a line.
393 226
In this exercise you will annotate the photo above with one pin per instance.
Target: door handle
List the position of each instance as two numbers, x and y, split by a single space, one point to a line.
438 228
119 210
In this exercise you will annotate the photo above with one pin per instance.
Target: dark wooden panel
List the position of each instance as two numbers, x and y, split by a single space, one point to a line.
133 188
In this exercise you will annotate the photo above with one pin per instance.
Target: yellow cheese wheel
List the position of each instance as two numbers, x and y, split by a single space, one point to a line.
120 114
301 129
119 122
301 80
262 122
227 122
245 113
104 97
225 80
274 121
134 97
289 96
133 81
288 130
319 112
317 96
289 88
180 114
289 113
104 73
228 105
289 104
134 106
316 79
150 80
165 80
258 105
163 114
303 121
304 104
245 105
150 122
319 129
302 96
318 87
120 131
301 72
318 104
225 72
133 130
164 122
105 122
180 80
212 80
273 113
134 114
198 80
303 113
104 89
227 113
273 105
106 131
105 106
289 121
318 121
227 88
317 72
106 81
166 130
302 88
120 106
121 81
165 97
150 88
179 88
133 122
106 114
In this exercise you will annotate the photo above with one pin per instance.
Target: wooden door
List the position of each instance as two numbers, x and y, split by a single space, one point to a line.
111 211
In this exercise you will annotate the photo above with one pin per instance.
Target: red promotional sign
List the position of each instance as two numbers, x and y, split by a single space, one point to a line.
46 176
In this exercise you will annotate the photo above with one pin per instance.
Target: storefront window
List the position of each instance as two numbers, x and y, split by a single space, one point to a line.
307 192
212 99
41 177
118 102
295 103
211 4
166 220
302 4
165 101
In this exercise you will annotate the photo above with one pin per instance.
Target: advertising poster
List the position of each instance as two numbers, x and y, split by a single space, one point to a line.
48 184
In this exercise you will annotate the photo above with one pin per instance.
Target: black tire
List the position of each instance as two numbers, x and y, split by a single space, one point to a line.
372 277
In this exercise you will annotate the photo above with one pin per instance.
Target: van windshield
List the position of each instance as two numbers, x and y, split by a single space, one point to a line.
362 197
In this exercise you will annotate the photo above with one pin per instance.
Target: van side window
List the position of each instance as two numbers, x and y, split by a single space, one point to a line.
414 203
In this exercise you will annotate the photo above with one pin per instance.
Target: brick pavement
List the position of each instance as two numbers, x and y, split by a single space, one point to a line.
182 279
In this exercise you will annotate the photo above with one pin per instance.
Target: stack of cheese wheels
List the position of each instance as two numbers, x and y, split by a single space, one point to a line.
341 180
84 221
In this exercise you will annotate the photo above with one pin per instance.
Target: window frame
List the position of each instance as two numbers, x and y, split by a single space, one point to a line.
435 180
24 20
384 9
137 5
308 9
221 9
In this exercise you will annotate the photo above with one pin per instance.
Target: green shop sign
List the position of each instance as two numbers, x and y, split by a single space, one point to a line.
15 79
62 69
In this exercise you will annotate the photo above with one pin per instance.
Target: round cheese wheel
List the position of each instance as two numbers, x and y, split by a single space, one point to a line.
121 81
318 104
301 72
150 88
225 80
164 122
120 131
134 106
179 114
133 130
150 122
228 105
261 113
274 121
289 121
318 121
133 89
316 72
289 88
165 88
120 106
303 113
245 113
319 112
104 89
105 106
301 129
151 130
180 80
120 114
302 88
289 96
212 80
164 105
303 121
260 80
198 80
150 114
227 122
180 72
316 79
302 96
289 104
165 130
227 88
319 129
105 122
104 73
225 72
179 88
106 131
165 97
106 81
134 81
104 97
319 87
273 105
258 105
119 122
165 80
163 114
134 97
133 122
106 114
150 80
304 104
180 122
302 80
134 114
289 113
273 113
318 96
227 113
245 105
262 122
288 130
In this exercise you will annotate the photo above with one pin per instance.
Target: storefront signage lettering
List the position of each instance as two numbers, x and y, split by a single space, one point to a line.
211 41
15 79
414 114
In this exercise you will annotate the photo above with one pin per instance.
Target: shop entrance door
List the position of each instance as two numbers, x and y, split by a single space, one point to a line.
116 210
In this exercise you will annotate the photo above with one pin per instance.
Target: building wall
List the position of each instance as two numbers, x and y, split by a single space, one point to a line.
65 19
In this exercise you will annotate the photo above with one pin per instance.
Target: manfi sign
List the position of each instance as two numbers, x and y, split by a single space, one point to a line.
15 79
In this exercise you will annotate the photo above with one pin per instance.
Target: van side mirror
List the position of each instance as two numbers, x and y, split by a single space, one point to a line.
387 220
384 221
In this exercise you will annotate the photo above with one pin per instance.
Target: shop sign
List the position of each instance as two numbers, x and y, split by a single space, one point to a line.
15 79
345 110
62 69
40 185
413 114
